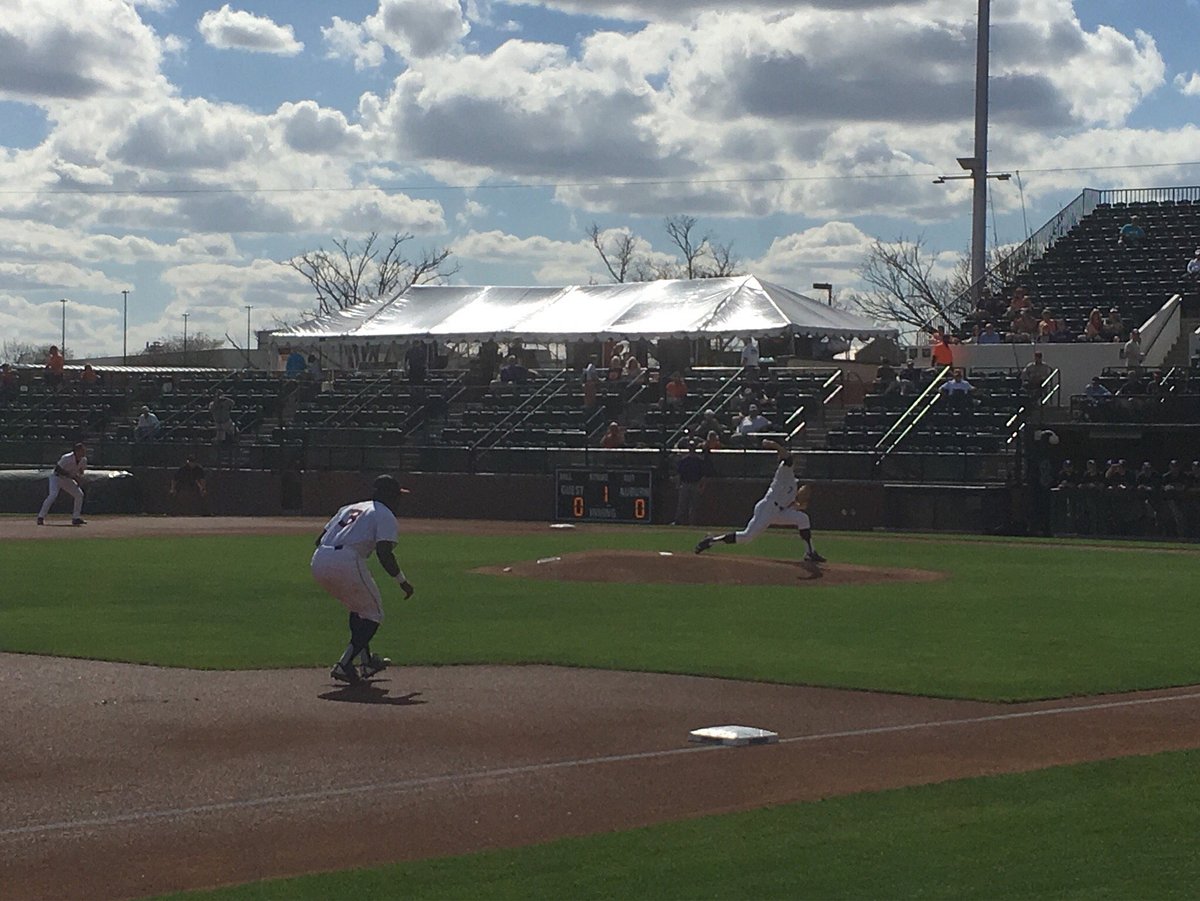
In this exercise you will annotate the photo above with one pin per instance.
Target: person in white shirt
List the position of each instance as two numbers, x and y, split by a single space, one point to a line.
339 565
750 355
752 422
147 425
68 477
783 503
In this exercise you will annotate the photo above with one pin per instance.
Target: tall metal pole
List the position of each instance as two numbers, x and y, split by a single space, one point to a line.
185 317
248 309
125 328
980 168
62 343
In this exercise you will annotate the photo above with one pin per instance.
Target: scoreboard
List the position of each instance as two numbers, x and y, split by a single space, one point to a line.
590 495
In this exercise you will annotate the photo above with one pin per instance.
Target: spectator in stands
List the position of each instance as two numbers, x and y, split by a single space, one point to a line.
633 369
1156 387
513 372
1019 303
416 361
750 354
296 365
147 426
1048 328
957 392
1024 327
1092 476
1146 479
885 375
752 423
614 436
1131 234
1114 326
89 378
616 368
221 410
1034 374
54 367
690 471
1193 267
1096 392
988 335
312 369
940 354
1132 351
1093 329
675 391
710 422
1132 385
712 441
591 384
910 379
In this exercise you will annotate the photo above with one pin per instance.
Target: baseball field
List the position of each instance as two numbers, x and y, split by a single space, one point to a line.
957 717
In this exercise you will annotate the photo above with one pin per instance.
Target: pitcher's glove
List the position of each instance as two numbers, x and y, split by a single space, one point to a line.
803 496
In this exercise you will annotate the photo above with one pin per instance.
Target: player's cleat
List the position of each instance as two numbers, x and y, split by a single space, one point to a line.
375 664
813 557
79 522
347 674
41 522
704 544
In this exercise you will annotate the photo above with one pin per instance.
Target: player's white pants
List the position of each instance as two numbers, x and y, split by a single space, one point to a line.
344 575
62 483
768 513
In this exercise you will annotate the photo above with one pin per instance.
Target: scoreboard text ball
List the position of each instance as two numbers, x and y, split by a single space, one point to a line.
603 496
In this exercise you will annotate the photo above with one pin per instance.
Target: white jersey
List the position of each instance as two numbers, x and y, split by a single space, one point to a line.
72 467
782 490
360 527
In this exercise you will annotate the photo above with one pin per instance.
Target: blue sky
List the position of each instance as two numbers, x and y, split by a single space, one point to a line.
181 150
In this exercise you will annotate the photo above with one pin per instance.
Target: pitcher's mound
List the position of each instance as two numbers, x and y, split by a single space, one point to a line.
707 569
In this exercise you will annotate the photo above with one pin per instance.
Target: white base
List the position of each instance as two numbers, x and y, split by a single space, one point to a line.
736 736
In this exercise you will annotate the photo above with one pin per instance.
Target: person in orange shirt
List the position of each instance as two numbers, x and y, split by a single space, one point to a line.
939 349
54 366
676 389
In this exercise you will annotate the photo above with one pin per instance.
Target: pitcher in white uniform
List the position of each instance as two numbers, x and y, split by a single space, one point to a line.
780 505
339 565
68 477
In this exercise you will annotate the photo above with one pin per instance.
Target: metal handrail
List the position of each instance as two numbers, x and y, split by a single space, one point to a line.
710 403
917 416
556 377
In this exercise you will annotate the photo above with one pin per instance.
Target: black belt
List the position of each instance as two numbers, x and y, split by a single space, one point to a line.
338 547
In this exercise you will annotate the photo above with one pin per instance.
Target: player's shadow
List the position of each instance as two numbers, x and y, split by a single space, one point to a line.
809 571
371 693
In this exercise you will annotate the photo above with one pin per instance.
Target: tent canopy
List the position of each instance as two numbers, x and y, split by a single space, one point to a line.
700 308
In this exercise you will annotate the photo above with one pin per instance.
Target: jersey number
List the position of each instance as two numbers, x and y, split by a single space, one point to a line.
349 518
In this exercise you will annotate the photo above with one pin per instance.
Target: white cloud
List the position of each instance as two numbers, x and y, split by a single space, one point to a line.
76 49
472 209
411 28
1188 85
89 327
230 29
348 40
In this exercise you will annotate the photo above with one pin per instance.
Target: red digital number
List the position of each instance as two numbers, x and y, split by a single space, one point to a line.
577 507
639 508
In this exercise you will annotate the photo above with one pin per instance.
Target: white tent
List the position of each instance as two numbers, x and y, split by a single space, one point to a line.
701 308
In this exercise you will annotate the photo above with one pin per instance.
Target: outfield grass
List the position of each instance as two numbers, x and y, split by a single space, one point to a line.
1009 621
1117 829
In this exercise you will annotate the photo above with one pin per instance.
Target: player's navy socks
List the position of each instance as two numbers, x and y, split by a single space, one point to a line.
729 538
347 655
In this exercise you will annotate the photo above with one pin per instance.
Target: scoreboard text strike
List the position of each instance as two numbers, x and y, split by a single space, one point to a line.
612 496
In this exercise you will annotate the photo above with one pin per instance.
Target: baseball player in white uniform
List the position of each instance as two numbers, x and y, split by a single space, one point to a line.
67 476
339 564
779 505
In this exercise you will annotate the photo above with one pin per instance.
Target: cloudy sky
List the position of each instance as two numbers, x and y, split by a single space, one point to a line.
180 149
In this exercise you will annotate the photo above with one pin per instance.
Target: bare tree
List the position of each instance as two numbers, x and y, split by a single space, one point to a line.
356 273
169 344
903 288
12 351
699 256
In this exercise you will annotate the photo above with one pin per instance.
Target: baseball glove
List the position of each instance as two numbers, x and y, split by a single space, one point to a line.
803 496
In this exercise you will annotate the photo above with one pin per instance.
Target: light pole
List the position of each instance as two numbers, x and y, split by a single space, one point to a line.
185 318
827 287
124 328
248 309
62 343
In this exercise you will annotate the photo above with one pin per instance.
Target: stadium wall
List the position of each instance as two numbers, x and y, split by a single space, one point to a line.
843 505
